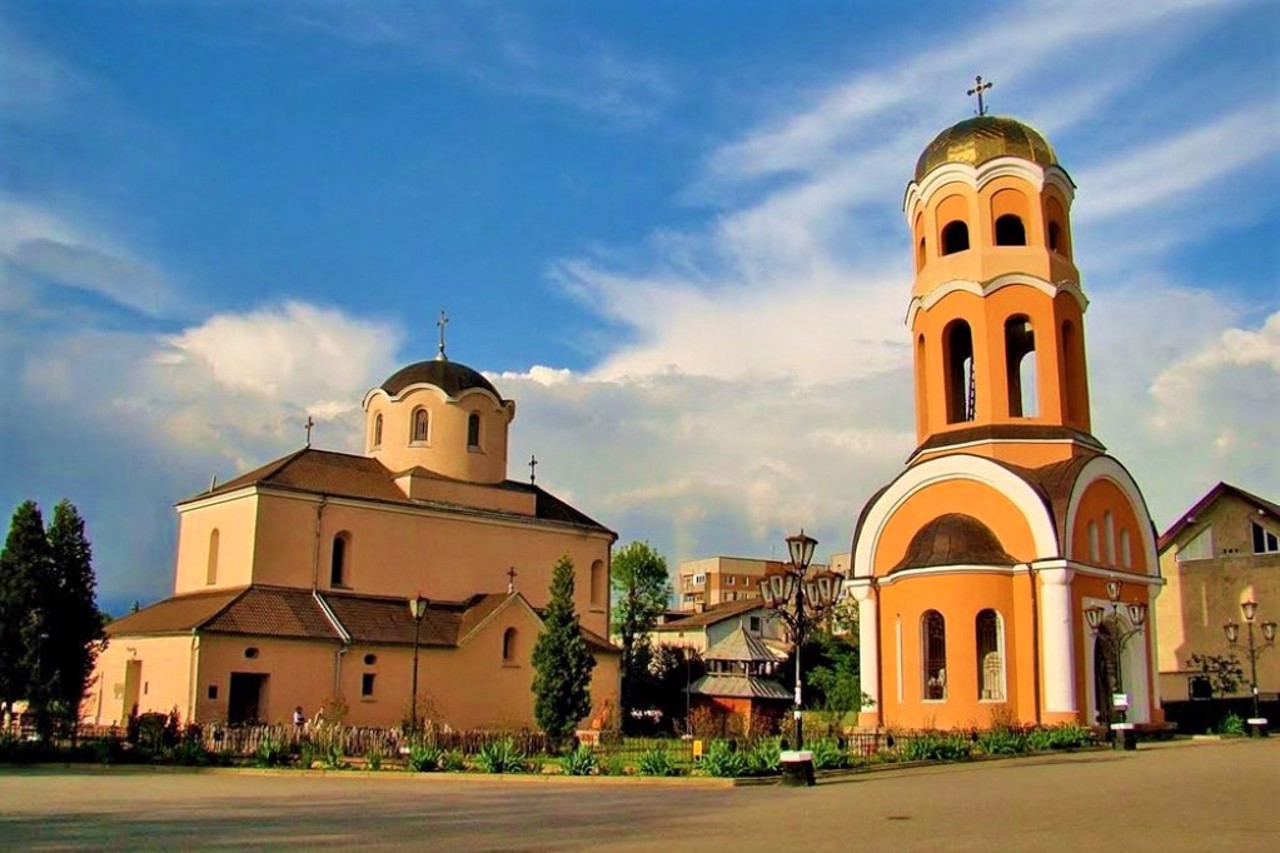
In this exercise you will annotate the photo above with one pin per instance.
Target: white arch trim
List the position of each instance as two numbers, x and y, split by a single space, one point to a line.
962 285
417 386
959 466
978 177
1107 468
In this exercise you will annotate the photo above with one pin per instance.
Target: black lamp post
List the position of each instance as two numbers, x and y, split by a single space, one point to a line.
1257 725
417 609
1116 637
801 604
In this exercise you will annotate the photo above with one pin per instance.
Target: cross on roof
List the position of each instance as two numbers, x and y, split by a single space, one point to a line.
978 89
309 424
511 580
533 464
441 323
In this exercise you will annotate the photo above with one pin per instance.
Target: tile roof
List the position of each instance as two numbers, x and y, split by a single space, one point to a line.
1189 517
265 611
712 615
180 614
325 472
1006 432
954 539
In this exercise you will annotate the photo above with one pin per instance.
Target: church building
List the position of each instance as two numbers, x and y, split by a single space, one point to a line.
293 582
982 570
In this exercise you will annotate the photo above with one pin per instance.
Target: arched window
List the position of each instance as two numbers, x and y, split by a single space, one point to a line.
473 431
920 255
377 431
1093 541
961 393
420 425
933 647
599 589
1109 533
989 629
1020 367
1055 236
340 559
1074 395
1126 549
1010 231
922 390
211 570
955 237
509 646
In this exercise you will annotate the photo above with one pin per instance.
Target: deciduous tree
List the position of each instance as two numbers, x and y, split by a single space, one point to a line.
641 593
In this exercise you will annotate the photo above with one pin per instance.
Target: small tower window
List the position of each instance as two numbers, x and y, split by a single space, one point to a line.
920 255
961 388
473 431
1020 367
341 557
377 431
1010 231
1055 236
509 646
955 237
211 570
933 641
420 426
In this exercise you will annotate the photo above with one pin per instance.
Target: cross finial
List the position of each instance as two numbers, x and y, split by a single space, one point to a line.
533 466
511 580
309 424
978 88
441 323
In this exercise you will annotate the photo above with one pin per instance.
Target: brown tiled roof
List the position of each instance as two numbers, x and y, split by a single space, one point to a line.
325 472
381 619
954 539
1054 483
1188 517
1006 432
180 614
266 611
712 615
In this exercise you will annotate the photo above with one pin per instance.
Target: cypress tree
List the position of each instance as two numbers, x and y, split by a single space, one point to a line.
24 569
562 662
74 645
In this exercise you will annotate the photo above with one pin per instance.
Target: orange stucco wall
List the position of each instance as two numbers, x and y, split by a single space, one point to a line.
1100 497
959 597
977 499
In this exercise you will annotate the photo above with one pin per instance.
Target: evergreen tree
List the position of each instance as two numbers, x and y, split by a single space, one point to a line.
74 645
562 662
642 590
24 570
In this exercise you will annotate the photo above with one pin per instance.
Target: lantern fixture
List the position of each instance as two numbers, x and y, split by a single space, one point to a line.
1232 630
1093 615
1269 631
1249 609
801 548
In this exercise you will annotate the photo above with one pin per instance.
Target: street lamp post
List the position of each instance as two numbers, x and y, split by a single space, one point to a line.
417 609
1117 637
1257 724
801 604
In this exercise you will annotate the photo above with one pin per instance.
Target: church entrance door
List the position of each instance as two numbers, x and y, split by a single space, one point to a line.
244 705
1105 681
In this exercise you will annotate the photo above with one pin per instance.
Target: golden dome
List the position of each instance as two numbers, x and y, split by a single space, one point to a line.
982 138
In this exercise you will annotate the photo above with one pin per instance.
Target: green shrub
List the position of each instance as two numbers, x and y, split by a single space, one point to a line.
306 754
765 758
500 756
104 751
935 746
827 755
373 758
334 757
580 762
424 758
615 766
190 753
656 761
723 759
1232 724
452 761
271 753
1003 742
1065 736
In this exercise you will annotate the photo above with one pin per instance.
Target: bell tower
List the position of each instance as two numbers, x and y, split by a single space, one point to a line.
996 311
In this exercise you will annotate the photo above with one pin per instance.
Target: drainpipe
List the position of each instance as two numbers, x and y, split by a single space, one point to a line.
192 687
1035 638
315 557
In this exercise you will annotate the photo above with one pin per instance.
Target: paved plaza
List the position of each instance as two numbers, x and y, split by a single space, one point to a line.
1185 796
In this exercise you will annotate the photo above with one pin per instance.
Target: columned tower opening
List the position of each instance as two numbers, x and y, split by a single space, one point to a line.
1020 367
961 390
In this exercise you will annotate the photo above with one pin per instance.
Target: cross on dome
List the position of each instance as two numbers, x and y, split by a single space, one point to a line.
441 323
978 89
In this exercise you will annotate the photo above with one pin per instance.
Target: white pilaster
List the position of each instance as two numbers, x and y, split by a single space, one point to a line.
1058 666
868 643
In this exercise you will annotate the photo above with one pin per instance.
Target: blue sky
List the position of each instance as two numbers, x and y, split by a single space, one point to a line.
672 231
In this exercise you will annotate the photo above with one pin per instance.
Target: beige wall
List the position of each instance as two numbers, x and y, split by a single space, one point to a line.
1200 596
164 669
233 517
299 672
445 450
